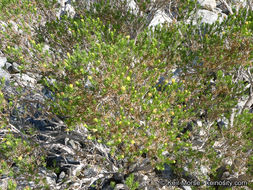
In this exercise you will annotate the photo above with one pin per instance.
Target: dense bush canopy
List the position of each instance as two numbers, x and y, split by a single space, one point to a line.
145 93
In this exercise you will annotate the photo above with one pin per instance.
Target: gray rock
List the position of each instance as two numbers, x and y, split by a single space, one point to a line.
143 180
50 176
186 187
51 179
63 2
199 123
46 47
204 170
76 172
66 9
207 4
160 17
120 187
208 17
88 4
133 7
7 65
3 183
222 122
25 80
70 10
3 60
12 68
4 74
61 177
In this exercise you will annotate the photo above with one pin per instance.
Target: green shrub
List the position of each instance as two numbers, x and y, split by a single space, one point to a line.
121 108
130 182
119 98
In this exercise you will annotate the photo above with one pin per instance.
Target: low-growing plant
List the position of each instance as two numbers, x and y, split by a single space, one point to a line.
131 183
105 77
122 73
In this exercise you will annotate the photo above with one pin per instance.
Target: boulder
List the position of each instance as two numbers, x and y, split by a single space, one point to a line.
65 9
3 73
12 67
133 7
160 17
207 4
208 17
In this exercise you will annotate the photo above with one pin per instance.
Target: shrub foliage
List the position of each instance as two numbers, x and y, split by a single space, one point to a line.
105 75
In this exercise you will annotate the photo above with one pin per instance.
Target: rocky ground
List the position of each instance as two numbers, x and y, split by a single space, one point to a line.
87 164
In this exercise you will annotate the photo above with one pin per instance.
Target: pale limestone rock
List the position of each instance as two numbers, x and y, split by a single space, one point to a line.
66 8
160 18
207 4
133 7
208 17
